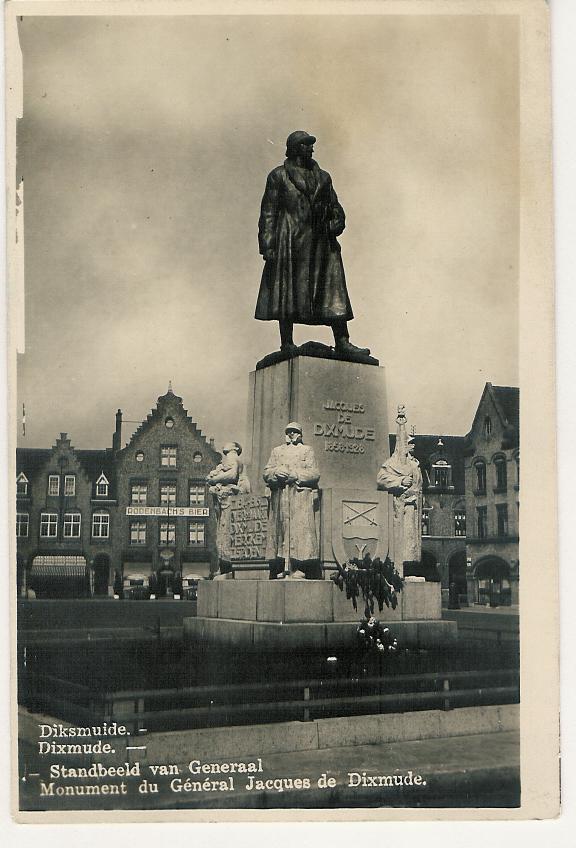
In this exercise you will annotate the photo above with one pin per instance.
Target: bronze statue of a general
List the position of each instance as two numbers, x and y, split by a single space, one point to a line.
303 280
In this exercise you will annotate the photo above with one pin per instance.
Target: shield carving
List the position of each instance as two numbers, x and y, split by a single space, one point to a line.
360 524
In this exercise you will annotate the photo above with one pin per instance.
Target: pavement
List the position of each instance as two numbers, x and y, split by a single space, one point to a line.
500 624
457 772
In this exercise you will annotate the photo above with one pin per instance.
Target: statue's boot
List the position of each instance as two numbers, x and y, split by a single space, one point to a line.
288 347
346 346
296 575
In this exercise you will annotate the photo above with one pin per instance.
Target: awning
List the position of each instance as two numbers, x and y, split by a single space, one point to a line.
58 566
195 569
136 570
59 576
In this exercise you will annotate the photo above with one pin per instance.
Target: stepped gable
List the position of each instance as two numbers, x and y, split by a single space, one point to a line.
33 461
171 404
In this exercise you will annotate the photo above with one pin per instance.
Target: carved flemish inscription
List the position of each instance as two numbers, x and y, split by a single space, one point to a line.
248 526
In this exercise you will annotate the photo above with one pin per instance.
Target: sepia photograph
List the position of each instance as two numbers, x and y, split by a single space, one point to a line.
274 276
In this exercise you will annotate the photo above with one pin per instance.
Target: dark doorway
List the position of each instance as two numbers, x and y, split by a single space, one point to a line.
457 579
493 582
101 575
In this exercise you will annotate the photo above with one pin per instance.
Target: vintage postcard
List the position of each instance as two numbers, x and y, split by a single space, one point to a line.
280 327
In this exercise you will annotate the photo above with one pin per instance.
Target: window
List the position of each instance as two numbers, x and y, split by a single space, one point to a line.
53 485
167 532
459 522
482 517
487 426
197 457
48 525
501 477
100 525
196 533
197 494
169 422
22 524
69 486
502 519
138 493
102 486
480 469
140 456
137 532
441 475
425 522
72 525
168 456
167 493
21 484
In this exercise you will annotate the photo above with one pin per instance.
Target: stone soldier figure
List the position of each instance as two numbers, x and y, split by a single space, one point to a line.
303 280
228 478
401 476
292 476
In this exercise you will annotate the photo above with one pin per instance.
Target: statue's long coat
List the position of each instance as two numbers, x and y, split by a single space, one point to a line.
407 506
300 219
291 527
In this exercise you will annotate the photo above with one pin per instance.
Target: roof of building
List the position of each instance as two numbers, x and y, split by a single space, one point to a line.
507 398
506 401
427 451
32 461
164 402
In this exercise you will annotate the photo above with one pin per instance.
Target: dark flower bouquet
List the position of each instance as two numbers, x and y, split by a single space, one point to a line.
375 580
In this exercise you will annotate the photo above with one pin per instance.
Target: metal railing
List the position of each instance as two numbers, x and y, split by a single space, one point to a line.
259 703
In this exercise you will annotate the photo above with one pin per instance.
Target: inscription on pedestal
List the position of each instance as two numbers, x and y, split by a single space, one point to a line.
341 407
247 528
348 430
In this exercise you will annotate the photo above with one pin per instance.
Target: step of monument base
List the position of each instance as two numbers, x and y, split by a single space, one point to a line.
271 636
309 601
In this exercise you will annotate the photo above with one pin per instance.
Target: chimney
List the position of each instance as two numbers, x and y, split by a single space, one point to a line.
117 437
212 443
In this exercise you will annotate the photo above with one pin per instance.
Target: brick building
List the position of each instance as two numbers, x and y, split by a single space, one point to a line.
65 513
492 482
165 525
92 522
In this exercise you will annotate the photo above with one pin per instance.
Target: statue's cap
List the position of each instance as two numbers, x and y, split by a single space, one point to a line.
299 137
294 426
231 446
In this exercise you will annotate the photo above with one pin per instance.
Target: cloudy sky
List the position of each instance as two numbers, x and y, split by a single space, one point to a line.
144 148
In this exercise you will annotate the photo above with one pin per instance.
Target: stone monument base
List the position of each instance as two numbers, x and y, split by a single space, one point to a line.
276 614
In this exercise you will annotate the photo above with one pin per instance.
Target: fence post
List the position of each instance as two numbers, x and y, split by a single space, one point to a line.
446 688
306 698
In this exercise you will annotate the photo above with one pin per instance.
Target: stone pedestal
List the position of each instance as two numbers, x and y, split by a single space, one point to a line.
343 412
342 408
281 614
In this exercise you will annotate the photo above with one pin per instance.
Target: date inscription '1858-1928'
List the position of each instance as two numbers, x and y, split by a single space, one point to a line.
348 433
